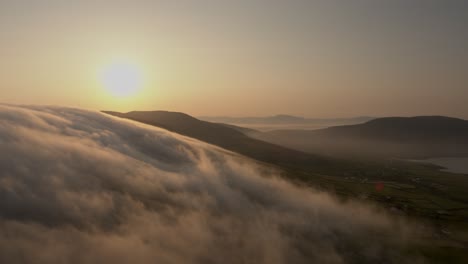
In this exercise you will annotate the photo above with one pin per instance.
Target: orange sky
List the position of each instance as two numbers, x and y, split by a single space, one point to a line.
310 58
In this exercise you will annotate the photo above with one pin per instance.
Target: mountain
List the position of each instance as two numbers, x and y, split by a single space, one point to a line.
284 119
277 119
228 137
405 137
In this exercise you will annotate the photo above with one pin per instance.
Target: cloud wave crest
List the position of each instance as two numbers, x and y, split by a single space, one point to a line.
78 186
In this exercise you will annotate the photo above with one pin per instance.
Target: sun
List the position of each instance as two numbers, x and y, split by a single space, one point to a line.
122 79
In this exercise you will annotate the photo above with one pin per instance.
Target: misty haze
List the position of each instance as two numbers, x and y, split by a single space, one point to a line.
237 132
456 165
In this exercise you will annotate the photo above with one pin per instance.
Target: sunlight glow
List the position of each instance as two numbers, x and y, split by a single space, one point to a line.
122 79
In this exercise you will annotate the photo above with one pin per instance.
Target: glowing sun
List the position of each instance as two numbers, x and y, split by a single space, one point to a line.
122 79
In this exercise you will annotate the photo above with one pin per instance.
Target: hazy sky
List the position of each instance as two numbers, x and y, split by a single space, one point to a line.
312 58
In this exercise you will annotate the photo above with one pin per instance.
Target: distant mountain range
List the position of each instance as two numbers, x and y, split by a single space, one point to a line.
229 137
396 137
284 119
405 137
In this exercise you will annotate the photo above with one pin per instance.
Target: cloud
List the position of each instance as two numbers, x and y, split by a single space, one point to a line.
82 187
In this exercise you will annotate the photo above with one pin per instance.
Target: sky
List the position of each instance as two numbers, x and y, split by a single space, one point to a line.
240 58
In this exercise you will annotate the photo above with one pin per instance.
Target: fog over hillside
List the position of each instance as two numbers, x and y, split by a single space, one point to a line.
83 187
401 137
269 123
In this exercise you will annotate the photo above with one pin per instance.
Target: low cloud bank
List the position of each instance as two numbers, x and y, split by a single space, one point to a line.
82 187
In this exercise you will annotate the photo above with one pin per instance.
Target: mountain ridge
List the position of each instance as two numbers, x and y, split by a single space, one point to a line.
283 119
418 136
226 136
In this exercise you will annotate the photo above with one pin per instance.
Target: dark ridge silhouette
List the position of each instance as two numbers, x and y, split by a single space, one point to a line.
228 137
407 137
285 119
243 130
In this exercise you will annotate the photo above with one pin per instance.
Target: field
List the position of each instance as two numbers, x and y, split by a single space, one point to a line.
434 200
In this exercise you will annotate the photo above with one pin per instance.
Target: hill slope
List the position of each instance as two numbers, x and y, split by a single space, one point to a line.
277 122
227 137
414 137
284 119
